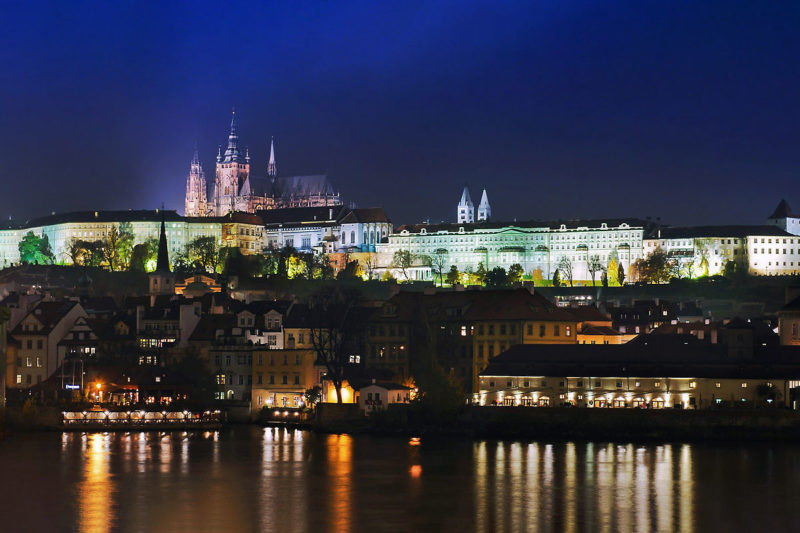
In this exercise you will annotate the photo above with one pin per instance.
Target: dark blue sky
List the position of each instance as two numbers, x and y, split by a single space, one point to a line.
560 109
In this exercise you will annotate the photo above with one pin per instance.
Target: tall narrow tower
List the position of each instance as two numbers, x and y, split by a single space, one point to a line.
466 209
196 204
162 281
484 209
272 170
232 184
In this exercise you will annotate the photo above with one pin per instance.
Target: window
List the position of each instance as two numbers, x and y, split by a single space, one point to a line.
39 362
491 383
692 384
717 384
28 361
657 384
744 384
39 344
526 383
530 329
491 329
556 330
19 379
508 384
220 379
619 384
544 383
272 379
260 380
580 383
567 331
542 330
502 329
297 380
285 379
598 384
227 360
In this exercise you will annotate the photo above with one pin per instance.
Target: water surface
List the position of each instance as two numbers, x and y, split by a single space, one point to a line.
253 479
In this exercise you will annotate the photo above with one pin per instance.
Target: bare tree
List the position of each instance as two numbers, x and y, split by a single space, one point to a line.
370 264
595 266
439 263
565 269
333 331
403 260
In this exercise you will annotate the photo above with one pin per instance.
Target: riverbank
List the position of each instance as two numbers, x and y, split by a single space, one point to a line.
574 424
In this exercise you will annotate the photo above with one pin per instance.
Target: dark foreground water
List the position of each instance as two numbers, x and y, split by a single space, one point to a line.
252 479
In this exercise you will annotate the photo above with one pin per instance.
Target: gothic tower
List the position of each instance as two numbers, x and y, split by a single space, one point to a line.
484 209
162 281
196 202
232 185
466 209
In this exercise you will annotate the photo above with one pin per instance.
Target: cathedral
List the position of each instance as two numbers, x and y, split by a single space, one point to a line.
236 190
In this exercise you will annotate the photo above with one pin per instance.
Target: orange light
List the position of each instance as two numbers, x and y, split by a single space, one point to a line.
414 441
99 385
416 470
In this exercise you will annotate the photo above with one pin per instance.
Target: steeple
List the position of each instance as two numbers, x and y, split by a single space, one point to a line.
196 156
466 209
484 210
232 154
272 170
162 264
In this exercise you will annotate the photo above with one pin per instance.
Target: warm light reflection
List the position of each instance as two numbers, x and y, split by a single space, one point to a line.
96 490
340 464
415 471
583 487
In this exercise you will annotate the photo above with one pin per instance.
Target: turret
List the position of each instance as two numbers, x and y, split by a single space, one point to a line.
484 209
466 209
272 170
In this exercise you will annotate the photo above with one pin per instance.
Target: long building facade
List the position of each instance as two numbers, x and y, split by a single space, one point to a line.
536 246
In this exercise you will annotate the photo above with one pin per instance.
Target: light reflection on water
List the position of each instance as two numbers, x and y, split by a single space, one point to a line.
251 479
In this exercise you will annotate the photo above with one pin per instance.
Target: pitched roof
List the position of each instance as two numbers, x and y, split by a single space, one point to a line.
302 215
299 186
783 211
363 215
645 356
735 231
48 314
611 223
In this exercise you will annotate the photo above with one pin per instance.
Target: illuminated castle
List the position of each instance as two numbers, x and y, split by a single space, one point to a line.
236 190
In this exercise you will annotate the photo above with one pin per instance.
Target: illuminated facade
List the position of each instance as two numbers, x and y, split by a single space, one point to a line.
534 245
705 250
655 372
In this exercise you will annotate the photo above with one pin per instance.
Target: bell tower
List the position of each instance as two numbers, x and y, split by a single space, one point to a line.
196 202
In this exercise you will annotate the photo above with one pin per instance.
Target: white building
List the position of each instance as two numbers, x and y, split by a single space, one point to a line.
484 209
534 245
785 218
705 250
466 209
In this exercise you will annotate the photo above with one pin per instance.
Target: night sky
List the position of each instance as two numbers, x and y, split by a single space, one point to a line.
560 109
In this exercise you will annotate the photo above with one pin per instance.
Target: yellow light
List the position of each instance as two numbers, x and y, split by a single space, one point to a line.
99 385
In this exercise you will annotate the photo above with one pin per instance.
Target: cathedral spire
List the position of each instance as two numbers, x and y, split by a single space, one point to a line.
232 152
272 170
196 156
484 209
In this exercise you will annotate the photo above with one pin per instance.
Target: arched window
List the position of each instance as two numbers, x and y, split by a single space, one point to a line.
352 237
344 238
372 237
366 238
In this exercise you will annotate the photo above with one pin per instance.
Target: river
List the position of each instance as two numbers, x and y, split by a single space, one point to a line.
254 479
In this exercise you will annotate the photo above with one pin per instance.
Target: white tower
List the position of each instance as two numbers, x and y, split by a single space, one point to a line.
484 210
466 209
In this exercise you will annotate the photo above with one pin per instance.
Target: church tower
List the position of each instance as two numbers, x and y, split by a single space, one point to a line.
162 281
272 170
484 210
466 209
196 202
232 184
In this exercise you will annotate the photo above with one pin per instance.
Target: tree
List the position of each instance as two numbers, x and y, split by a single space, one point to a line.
612 271
312 396
370 264
565 269
35 250
333 329
126 240
111 247
480 274
621 275
453 276
139 258
319 267
556 278
203 251
656 267
594 265
730 269
515 273
439 263
537 276
604 279
351 271
403 260
497 278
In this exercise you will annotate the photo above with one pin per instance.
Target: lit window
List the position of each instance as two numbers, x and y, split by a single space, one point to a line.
657 384
692 384
718 384
744 384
